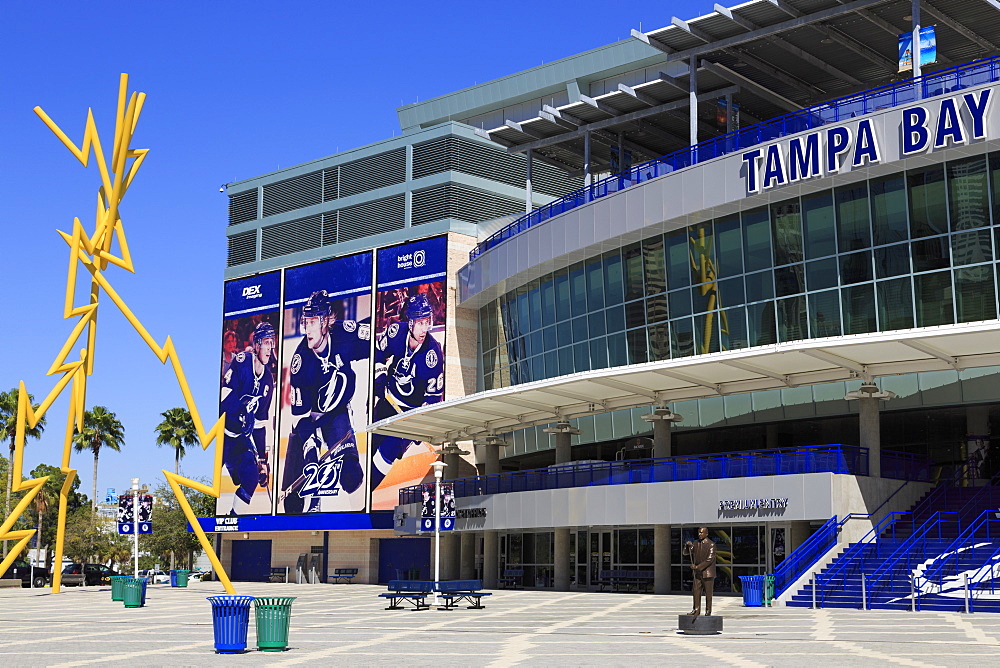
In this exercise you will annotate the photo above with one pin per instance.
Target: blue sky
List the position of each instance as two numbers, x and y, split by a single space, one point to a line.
234 90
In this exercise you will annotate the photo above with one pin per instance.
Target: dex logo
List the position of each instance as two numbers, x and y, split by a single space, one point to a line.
419 258
252 292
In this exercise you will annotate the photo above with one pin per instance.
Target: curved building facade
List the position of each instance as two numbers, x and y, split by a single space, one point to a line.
743 295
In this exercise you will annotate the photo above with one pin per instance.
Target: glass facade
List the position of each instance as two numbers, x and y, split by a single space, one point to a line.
912 249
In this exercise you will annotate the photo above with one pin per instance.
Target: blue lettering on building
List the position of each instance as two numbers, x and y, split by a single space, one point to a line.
939 124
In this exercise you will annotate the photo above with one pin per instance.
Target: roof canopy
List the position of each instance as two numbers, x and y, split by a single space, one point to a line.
774 56
863 356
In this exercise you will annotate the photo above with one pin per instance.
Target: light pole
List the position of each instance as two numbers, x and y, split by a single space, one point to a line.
135 526
438 472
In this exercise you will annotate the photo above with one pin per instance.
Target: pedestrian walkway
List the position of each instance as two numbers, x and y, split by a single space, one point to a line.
344 625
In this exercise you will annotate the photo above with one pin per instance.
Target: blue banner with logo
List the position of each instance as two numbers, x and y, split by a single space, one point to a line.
411 310
340 277
249 296
928 48
413 263
326 362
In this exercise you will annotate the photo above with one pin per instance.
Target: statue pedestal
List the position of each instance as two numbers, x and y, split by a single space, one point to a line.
702 625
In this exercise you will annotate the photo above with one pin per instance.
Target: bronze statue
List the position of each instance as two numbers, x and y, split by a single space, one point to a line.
702 553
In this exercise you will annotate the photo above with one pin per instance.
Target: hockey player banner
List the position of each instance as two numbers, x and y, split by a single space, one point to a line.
248 384
326 371
410 316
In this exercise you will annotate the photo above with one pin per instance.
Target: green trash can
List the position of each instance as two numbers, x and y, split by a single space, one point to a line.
118 587
182 578
274 615
134 592
768 590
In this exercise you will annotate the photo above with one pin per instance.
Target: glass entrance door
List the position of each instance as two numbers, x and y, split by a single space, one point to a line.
600 555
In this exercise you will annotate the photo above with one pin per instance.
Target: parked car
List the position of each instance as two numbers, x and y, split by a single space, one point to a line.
89 574
155 576
23 571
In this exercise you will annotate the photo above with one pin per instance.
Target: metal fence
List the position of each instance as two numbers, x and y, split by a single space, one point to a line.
886 97
849 459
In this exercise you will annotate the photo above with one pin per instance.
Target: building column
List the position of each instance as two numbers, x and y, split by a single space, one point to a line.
563 432
586 158
489 448
563 558
869 397
661 558
527 184
693 98
491 548
915 44
662 419
468 546
451 555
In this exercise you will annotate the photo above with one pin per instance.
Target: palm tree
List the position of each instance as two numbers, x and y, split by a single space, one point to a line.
41 502
177 431
8 432
100 428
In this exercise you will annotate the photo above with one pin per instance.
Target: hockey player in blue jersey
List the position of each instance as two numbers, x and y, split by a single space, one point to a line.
247 390
322 454
409 372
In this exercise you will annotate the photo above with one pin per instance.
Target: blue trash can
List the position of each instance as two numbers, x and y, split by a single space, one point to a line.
753 590
230 621
173 578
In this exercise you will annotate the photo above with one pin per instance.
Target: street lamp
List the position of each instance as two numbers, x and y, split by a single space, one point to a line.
135 526
438 473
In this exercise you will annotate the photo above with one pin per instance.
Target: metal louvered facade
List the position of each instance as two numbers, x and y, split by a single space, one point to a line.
461 203
295 193
478 159
242 248
363 220
243 207
377 171
291 237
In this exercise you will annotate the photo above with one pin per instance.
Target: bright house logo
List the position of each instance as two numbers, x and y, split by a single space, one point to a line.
952 121
419 258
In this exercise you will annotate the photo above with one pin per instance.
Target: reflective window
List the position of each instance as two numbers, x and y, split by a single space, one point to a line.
818 225
928 212
933 299
888 208
786 222
824 314
853 222
968 193
655 272
800 268
975 294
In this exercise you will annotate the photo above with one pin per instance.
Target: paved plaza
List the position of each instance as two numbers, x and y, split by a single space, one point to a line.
347 625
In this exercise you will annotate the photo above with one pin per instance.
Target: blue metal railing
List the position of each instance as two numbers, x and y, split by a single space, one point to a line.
983 528
914 547
885 97
805 555
848 459
855 558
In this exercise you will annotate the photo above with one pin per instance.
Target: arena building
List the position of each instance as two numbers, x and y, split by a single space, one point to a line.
738 272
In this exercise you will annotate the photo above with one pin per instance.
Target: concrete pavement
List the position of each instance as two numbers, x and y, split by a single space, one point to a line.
347 625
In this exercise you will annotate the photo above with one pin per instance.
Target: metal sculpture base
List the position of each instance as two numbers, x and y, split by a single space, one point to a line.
702 625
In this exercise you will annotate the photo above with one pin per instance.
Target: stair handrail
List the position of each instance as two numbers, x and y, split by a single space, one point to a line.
983 491
903 551
805 555
957 476
952 550
851 554
989 566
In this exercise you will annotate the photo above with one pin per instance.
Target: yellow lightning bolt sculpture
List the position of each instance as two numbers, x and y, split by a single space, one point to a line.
94 254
